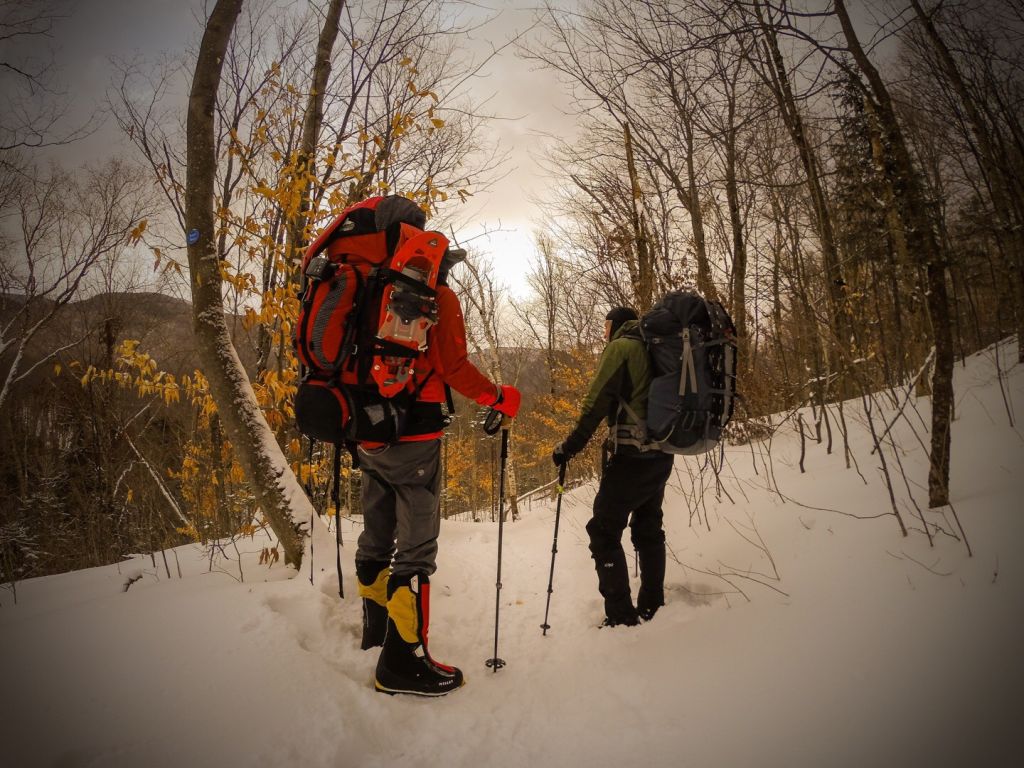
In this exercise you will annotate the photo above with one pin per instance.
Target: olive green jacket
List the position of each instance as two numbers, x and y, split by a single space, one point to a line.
623 372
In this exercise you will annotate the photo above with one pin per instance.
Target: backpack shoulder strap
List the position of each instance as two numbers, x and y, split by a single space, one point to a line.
633 333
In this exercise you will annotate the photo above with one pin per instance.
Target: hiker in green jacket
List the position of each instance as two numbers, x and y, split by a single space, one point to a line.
633 479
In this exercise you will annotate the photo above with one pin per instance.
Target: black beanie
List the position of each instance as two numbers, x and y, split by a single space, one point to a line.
619 315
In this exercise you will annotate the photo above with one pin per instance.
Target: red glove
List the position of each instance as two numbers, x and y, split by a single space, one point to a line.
488 399
508 401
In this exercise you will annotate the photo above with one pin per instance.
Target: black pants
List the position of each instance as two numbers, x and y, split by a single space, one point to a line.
632 490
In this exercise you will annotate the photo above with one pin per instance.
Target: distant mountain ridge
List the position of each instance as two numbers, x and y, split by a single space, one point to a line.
163 326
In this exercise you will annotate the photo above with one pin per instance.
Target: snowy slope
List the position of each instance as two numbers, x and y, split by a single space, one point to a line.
795 634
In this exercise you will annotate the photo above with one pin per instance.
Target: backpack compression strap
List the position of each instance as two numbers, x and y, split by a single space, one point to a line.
633 435
688 372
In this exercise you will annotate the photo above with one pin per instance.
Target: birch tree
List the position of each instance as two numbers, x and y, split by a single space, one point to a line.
273 482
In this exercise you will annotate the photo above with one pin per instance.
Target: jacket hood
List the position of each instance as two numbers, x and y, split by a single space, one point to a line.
626 327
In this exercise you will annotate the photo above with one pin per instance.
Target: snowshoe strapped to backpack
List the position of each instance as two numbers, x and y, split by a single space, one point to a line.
368 302
692 344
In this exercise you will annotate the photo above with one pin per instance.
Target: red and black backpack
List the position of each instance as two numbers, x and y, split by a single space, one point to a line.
368 301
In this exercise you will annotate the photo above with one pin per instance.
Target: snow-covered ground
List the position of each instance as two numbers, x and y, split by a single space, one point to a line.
795 633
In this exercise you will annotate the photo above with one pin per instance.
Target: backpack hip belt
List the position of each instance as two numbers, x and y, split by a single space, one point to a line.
633 435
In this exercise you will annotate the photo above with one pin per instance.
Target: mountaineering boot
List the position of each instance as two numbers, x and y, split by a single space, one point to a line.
405 665
613 583
652 581
373 588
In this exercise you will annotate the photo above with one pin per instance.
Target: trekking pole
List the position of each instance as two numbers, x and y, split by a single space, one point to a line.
494 662
336 498
554 545
309 477
309 493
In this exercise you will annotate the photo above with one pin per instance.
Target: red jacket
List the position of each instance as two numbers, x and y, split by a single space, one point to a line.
446 362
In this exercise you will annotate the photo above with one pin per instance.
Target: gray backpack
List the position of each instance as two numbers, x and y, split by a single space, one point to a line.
692 345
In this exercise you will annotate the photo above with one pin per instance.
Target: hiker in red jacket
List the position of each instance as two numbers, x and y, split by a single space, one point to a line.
397 550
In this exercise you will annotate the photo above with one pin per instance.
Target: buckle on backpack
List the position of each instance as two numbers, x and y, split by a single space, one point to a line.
320 268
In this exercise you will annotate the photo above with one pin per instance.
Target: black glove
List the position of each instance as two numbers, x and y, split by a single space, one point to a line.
559 456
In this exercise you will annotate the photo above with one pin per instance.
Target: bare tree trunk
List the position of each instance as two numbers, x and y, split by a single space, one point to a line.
907 188
305 170
779 81
739 255
273 483
913 327
993 165
689 195
644 262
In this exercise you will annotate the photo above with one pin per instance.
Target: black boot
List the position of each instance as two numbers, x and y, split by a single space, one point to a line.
373 588
405 665
652 581
613 583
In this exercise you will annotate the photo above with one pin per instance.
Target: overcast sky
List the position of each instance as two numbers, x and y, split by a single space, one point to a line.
99 30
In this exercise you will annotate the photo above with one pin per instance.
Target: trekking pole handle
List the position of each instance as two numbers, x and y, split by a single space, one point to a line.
494 422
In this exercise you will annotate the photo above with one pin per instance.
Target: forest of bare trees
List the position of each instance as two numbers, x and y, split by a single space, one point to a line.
846 178
756 150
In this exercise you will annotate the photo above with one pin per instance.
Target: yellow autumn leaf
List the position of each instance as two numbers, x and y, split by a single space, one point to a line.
136 234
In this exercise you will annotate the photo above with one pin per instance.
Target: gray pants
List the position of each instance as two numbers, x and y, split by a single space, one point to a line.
401 506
